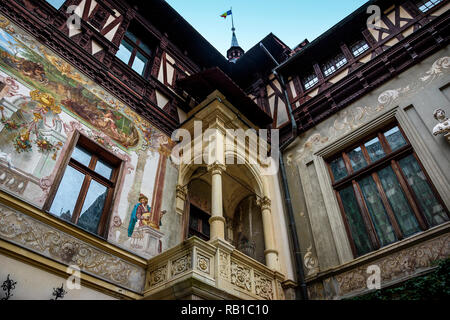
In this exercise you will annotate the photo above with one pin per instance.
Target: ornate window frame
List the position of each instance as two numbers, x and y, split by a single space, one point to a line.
434 172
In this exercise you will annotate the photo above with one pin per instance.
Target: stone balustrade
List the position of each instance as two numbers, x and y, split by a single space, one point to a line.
210 270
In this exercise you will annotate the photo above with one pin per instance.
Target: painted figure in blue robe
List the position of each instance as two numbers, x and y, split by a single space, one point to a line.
143 212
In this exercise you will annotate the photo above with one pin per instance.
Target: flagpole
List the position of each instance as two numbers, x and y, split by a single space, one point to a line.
232 20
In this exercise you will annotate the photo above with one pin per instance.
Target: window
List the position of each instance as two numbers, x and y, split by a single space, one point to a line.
198 223
383 191
310 81
135 53
85 192
425 5
56 3
334 64
359 48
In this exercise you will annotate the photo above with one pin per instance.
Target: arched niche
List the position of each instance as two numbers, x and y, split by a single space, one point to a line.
248 234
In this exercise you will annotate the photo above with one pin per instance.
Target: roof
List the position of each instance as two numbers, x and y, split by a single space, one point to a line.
202 84
319 48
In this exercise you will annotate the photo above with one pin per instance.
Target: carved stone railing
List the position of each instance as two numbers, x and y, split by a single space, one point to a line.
210 270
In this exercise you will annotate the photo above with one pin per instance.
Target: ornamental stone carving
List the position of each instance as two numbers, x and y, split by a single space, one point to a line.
443 127
203 263
158 276
216 168
181 265
264 203
50 242
223 265
263 287
240 276
395 266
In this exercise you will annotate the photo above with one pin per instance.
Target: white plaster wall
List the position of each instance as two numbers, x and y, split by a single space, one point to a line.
36 284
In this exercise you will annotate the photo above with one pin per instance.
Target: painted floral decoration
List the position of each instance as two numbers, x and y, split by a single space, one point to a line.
22 142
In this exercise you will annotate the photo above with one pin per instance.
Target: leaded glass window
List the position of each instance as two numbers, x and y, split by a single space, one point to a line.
383 192
310 81
334 64
359 48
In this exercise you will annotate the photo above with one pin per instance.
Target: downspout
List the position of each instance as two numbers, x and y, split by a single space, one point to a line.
301 290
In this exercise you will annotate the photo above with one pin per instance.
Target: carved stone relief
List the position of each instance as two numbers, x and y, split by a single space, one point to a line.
263 287
240 276
181 265
203 263
54 244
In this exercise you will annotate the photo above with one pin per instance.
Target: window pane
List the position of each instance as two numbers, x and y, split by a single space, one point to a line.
397 199
93 207
67 194
146 48
56 3
383 227
374 149
357 159
124 52
395 138
433 210
81 155
103 168
338 168
426 5
355 221
131 36
139 63
359 48
310 81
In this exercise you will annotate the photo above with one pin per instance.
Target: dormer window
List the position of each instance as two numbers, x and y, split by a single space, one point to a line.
310 81
359 48
334 64
136 53
425 5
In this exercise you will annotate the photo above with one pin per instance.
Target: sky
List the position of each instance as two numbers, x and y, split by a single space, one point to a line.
290 20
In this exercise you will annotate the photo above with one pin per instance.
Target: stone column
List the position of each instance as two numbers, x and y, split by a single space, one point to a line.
271 253
217 221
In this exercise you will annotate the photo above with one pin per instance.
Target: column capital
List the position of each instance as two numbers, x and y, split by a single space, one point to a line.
216 168
264 203
181 191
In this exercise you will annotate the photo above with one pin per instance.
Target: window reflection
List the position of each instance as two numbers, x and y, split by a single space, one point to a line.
66 198
357 159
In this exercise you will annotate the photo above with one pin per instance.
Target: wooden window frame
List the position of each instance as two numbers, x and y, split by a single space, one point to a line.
199 231
358 45
134 52
389 160
310 81
335 62
97 152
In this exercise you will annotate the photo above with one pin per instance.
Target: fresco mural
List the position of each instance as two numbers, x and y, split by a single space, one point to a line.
43 101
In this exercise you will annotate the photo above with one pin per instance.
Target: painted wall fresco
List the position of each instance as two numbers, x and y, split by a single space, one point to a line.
45 100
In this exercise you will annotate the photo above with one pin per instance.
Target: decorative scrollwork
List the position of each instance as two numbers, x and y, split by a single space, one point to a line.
240 276
263 287
181 265
158 276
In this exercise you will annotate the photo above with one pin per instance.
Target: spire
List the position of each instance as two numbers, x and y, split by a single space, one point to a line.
235 52
234 42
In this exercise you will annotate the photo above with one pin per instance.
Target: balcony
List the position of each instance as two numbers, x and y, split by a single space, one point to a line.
210 270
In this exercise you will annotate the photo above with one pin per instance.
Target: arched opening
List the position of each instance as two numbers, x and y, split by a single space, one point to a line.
243 216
